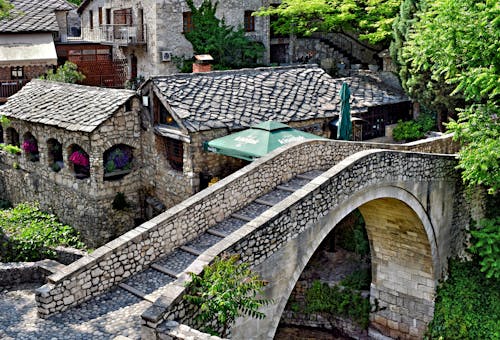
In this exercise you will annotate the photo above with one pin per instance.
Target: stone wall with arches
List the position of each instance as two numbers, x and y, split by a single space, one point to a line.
80 198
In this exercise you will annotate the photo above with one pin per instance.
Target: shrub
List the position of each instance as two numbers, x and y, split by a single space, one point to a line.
32 234
414 129
224 291
338 301
467 305
12 149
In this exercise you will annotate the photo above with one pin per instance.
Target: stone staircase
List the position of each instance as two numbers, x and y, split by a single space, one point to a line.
117 312
150 284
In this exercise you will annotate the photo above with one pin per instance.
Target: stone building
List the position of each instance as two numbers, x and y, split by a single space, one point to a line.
68 134
149 35
149 146
27 41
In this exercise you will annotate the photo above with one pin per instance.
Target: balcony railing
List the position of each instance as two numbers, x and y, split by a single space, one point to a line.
115 34
9 87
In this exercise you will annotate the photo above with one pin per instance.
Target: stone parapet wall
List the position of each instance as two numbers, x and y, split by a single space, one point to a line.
15 273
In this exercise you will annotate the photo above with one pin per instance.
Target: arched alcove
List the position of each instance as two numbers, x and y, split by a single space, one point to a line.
118 161
12 137
55 155
30 147
78 161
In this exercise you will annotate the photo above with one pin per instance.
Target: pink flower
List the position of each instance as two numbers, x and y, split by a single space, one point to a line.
30 146
79 158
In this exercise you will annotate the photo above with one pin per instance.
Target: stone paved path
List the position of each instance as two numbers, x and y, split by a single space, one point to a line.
118 312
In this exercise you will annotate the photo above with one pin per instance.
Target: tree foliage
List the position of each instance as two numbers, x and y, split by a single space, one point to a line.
467 305
229 47
453 67
226 290
67 73
5 8
486 244
372 19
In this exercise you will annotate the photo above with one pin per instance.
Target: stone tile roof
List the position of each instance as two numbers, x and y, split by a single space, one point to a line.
34 16
240 98
68 106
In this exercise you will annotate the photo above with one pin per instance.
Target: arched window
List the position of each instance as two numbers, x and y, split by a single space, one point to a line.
55 155
1 133
117 161
30 147
13 137
78 161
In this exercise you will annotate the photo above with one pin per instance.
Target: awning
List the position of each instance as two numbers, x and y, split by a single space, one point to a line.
27 49
257 141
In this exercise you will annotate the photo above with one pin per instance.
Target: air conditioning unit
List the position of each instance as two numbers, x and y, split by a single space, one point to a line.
166 56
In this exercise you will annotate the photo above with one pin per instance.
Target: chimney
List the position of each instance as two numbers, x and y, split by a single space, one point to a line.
202 63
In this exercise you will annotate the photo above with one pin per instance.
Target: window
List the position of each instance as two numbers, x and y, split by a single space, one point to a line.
175 153
16 72
79 161
91 20
187 22
117 161
108 16
100 16
1 134
249 21
122 17
12 137
55 156
162 116
30 147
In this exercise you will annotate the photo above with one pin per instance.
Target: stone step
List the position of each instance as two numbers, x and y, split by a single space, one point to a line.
190 250
306 177
149 281
216 233
264 202
203 242
275 196
164 270
241 217
228 225
288 189
177 261
253 210
134 291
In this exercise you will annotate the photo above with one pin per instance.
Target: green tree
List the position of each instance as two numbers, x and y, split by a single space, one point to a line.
371 19
453 67
226 290
68 73
5 8
229 47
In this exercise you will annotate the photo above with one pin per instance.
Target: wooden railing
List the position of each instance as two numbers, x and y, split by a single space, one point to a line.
9 87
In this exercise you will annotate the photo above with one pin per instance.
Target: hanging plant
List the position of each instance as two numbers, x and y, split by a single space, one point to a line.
79 158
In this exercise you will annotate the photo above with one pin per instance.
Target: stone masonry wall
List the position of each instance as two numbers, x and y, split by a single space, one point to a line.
86 204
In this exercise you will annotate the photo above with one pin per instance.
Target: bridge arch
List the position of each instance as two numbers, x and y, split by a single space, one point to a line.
404 256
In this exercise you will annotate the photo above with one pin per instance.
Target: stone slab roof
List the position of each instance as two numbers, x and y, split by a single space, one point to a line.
68 106
34 16
240 98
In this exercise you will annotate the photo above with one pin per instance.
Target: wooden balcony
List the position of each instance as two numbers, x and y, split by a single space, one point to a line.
123 35
9 87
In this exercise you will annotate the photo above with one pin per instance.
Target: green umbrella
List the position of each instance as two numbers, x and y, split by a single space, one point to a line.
257 141
345 126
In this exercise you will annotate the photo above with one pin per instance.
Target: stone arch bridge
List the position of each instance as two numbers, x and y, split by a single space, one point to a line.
411 200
